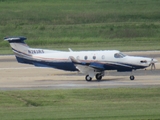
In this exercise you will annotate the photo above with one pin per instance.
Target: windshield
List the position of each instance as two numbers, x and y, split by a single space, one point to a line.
119 55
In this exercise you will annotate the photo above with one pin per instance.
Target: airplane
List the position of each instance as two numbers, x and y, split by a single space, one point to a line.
91 63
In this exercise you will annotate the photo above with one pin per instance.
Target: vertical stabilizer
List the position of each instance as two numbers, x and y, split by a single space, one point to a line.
20 49
17 44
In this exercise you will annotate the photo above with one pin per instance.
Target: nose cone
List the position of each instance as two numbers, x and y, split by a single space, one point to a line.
147 61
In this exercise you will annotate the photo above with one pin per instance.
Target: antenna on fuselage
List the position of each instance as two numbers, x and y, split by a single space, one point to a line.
70 50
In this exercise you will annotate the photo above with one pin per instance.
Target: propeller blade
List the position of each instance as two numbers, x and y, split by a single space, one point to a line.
153 64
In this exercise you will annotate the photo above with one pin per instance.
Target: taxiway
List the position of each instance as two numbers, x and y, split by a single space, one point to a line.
16 76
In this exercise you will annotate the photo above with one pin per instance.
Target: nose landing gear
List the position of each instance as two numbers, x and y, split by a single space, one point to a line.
132 77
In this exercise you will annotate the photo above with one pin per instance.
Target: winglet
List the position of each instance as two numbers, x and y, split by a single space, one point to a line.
74 60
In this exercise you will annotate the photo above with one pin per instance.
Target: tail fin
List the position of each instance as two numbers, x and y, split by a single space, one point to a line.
17 44
20 49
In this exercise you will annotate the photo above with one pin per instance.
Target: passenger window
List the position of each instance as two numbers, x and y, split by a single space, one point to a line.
78 57
103 57
85 57
94 57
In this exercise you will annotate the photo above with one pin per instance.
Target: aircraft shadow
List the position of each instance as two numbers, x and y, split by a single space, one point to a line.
105 80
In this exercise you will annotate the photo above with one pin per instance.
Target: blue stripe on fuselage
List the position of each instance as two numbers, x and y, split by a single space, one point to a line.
69 66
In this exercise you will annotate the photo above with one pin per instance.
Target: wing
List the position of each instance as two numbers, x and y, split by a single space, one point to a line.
86 67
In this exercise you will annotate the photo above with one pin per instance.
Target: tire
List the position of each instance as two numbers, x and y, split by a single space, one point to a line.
98 77
88 78
131 77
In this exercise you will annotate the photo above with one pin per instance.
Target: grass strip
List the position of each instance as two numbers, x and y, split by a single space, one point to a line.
116 103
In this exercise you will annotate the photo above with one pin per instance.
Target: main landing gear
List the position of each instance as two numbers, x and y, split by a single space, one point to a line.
98 77
88 78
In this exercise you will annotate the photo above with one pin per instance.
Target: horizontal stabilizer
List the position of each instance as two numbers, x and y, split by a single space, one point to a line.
15 39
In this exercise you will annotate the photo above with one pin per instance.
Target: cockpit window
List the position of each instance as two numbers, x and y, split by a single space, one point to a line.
119 55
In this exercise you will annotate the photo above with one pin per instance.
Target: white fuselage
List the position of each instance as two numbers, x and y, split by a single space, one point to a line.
93 56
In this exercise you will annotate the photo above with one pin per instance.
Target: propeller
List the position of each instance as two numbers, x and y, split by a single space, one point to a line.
152 64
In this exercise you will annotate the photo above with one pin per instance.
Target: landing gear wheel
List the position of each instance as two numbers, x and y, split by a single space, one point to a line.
98 77
131 77
88 78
